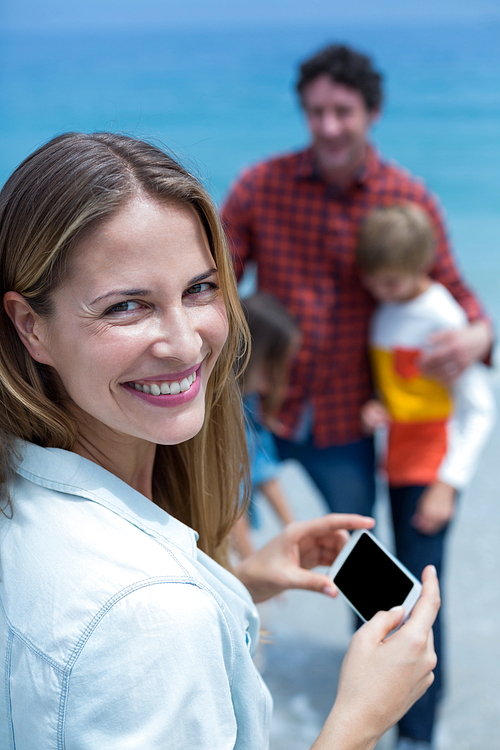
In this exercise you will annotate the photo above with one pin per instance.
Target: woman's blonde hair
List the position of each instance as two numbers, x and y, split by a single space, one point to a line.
58 195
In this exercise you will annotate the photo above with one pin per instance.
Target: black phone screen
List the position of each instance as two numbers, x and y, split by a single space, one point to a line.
371 580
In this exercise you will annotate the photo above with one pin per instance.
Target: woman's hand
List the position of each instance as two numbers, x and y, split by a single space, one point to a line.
381 679
286 561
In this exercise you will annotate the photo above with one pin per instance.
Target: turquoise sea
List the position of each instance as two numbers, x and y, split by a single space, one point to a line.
223 98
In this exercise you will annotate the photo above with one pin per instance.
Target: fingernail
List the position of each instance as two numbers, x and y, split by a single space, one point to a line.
398 606
433 568
329 591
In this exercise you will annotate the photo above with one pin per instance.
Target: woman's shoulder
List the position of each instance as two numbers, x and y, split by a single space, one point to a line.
76 550
117 631
115 619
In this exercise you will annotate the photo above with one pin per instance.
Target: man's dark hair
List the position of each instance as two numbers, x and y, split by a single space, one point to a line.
344 65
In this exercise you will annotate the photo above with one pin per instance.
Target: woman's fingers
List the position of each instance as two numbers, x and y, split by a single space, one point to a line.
425 610
326 535
286 561
301 578
329 523
422 616
382 623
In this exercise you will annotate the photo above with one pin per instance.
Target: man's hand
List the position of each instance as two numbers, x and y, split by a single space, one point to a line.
435 509
453 351
286 561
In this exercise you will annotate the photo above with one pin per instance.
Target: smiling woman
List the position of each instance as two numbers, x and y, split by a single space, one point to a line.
122 461
113 219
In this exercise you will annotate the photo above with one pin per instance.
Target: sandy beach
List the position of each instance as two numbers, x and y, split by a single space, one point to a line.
309 633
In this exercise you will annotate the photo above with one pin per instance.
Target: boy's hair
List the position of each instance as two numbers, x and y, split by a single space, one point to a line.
273 333
397 237
347 66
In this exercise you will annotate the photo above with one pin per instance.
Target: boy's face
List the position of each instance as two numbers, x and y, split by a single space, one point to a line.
393 285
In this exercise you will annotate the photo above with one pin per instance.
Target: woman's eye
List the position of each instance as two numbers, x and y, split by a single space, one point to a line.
203 286
126 306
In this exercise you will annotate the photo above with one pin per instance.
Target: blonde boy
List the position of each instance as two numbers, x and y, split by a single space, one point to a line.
435 433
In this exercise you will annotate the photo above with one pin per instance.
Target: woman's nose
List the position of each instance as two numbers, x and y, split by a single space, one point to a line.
177 337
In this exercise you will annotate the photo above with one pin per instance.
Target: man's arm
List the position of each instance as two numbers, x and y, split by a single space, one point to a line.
236 216
454 351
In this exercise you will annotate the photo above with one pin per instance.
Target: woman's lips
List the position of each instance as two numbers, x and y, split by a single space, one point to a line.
159 392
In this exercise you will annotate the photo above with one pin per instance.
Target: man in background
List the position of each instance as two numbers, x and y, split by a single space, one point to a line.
298 217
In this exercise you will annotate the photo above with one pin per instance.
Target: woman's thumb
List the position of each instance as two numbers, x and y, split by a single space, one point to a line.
383 622
307 579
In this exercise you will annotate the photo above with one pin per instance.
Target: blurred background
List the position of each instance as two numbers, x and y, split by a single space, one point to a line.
214 82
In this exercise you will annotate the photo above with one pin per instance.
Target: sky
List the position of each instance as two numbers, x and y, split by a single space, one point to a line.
92 14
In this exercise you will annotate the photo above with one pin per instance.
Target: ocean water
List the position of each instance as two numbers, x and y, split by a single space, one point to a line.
223 98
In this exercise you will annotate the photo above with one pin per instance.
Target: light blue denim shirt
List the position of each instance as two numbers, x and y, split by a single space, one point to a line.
116 633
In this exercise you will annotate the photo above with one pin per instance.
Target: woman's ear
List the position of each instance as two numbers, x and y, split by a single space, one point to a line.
28 325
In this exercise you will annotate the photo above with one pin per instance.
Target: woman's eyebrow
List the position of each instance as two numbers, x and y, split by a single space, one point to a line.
203 276
123 293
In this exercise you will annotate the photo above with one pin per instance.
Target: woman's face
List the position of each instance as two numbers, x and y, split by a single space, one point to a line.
138 327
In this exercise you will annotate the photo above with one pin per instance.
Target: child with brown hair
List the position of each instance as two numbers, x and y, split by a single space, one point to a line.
435 433
275 337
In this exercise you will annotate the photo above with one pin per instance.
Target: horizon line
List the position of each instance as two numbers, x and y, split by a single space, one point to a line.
247 25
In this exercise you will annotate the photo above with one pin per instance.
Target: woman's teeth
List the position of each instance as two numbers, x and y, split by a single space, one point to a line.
163 389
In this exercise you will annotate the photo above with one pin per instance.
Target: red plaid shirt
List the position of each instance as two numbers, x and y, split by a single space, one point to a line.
302 233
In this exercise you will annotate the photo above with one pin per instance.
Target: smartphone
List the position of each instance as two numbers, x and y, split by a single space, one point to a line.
371 579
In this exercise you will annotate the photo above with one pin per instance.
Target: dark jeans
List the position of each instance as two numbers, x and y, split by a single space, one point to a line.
344 474
417 550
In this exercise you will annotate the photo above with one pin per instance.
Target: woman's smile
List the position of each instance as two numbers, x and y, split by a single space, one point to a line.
167 391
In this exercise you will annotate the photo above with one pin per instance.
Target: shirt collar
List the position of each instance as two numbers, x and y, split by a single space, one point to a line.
306 167
66 472
368 169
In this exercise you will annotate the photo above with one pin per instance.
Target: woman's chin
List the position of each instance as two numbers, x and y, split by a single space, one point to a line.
185 430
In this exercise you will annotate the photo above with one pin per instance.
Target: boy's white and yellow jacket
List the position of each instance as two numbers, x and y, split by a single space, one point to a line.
435 432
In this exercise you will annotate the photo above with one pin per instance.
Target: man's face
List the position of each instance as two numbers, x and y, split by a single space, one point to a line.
339 121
